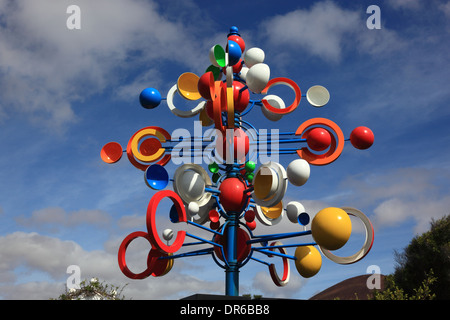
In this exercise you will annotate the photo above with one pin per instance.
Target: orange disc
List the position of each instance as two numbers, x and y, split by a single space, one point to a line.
111 152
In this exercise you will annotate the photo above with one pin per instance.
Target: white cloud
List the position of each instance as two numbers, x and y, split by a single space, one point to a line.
328 31
405 4
55 216
24 253
45 67
320 30
402 195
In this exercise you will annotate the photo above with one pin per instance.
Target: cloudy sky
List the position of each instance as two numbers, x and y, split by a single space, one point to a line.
65 93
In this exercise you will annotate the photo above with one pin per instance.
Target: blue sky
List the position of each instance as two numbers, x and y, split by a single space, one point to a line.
65 93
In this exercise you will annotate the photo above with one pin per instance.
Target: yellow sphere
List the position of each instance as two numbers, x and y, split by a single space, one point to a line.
308 261
331 228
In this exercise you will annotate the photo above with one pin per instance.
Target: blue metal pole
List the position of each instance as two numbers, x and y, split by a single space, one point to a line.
232 269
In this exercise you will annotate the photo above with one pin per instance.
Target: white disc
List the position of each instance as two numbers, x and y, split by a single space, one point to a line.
318 96
276 102
264 196
257 77
293 210
298 172
253 56
189 183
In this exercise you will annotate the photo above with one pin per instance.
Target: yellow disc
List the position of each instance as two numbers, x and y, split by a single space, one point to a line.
308 261
331 228
264 183
203 117
273 212
188 86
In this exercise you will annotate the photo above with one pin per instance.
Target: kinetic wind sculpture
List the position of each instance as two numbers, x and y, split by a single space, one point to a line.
237 193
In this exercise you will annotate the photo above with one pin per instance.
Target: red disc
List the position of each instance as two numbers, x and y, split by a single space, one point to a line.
150 146
242 247
206 85
251 225
111 152
214 216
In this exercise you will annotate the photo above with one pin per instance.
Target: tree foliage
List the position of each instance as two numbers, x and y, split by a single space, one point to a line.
423 267
93 290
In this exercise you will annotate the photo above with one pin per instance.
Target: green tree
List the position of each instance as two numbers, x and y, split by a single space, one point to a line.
93 290
427 252
423 267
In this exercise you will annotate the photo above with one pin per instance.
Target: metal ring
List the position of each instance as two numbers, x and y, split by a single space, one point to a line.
367 243
151 221
286 267
182 113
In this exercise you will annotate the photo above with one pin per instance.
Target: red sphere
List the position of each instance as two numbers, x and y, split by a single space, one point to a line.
318 139
238 40
241 144
241 99
232 195
362 138
249 216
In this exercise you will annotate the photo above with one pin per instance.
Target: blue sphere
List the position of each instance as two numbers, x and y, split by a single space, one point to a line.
150 98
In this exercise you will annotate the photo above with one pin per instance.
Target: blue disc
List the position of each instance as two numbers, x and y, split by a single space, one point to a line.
150 98
234 53
303 218
173 215
156 177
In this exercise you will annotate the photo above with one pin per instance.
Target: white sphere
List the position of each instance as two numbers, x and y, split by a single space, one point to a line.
167 234
276 102
193 208
258 77
293 210
298 172
253 56
243 73
192 184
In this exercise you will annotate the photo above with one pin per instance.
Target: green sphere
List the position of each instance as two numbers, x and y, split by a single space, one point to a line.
213 167
250 166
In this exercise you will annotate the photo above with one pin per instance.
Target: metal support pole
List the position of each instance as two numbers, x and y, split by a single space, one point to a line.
232 269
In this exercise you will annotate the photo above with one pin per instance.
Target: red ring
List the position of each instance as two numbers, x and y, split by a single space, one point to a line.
289 83
286 268
139 165
122 261
155 240
335 148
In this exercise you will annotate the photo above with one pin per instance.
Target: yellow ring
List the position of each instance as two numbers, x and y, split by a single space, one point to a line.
135 142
